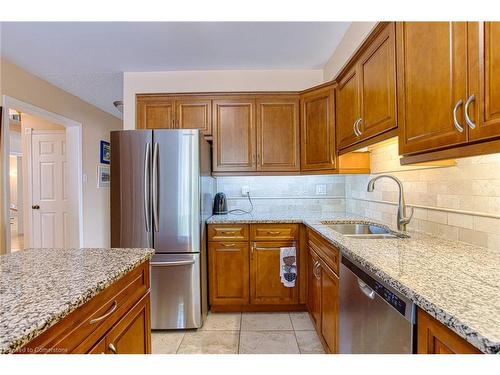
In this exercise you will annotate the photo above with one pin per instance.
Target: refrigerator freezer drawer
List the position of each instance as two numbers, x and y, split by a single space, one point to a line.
175 291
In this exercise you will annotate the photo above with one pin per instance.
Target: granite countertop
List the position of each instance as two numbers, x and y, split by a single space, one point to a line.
39 287
457 283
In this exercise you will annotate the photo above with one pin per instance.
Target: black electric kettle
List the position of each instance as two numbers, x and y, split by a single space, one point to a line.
220 204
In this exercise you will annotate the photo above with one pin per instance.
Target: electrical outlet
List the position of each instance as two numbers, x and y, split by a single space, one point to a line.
321 189
245 190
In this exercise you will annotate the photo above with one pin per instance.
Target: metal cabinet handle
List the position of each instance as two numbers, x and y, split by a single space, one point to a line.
316 269
155 188
354 128
455 119
367 291
227 231
468 120
147 208
227 244
356 125
112 348
111 311
273 232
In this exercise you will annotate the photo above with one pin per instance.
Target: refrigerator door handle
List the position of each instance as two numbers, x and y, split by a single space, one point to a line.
155 188
171 264
147 206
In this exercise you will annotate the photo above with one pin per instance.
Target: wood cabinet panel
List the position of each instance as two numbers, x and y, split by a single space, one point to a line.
234 135
434 338
228 232
377 69
329 307
432 68
314 288
194 113
129 336
265 282
347 108
318 130
228 273
278 145
484 80
274 232
155 112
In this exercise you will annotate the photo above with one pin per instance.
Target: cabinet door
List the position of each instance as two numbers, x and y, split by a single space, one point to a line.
434 338
432 69
155 112
234 135
278 147
318 130
347 108
329 307
377 68
194 113
228 273
265 283
484 80
99 348
314 287
132 334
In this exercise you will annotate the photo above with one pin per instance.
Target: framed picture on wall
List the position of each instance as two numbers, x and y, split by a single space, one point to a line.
105 152
103 176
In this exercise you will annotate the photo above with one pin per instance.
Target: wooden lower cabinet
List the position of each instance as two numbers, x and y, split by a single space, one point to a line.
117 319
244 270
434 338
314 288
265 284
323 292
329 307
228 271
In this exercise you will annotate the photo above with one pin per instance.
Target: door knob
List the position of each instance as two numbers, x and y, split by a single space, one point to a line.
35 207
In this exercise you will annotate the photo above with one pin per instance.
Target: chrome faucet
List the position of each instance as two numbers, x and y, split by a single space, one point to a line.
403 220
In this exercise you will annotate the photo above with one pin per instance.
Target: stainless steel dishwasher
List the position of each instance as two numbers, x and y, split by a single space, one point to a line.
374 318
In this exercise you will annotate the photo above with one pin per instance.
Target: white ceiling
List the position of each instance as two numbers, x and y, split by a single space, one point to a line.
88 59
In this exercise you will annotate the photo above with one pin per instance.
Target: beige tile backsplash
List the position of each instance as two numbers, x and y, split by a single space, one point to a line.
456 202
460 201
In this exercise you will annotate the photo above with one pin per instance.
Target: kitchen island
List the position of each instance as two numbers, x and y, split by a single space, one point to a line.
74 300
455 283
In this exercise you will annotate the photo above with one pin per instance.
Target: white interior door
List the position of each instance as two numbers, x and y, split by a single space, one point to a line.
51 226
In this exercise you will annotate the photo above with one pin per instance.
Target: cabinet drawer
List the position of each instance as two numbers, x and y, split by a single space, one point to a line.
228 232
274 232
326 251
82 329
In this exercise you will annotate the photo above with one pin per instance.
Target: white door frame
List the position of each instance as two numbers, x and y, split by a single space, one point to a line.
74 158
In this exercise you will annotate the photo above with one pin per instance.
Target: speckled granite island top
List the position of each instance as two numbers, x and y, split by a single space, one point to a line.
39 287
457 283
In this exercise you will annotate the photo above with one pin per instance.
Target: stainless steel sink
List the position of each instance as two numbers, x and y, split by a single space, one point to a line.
362 230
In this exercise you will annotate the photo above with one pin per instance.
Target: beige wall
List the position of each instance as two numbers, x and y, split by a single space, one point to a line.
460 202
37 123
96 125
354 36
212 81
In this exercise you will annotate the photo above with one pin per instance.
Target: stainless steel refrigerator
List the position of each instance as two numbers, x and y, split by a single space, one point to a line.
161 196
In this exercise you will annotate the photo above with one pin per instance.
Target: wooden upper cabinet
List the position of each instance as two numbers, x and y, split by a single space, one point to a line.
435 338
318 130
265 283
234 135
278 145
377 77
228 270
432 78
484 80
347 108
155 112
194 113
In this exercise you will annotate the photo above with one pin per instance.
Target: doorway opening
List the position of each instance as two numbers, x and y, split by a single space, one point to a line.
43 169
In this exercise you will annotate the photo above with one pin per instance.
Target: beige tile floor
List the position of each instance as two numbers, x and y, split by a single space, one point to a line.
244 333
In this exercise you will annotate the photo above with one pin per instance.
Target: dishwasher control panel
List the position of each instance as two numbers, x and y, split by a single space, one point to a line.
390 297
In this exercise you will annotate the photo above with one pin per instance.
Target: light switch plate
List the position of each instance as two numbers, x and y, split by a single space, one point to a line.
321 189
